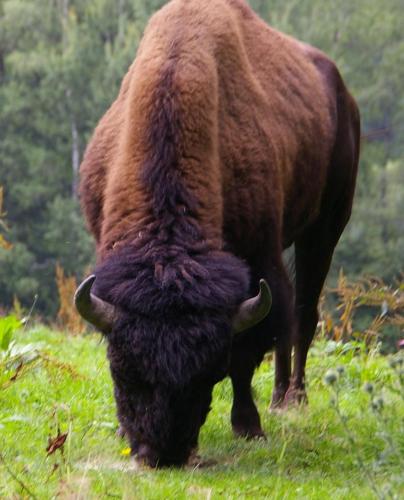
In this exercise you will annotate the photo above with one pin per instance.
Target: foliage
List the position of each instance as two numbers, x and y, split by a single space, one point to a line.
8 326
61 64
377 397
15 359
367 310
3 242
307 453
68 317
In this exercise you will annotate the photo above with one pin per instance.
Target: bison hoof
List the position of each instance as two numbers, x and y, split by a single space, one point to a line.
246 422
195 461
278 399
249 433
294 397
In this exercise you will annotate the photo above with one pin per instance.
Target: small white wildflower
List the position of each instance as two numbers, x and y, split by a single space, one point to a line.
369 387
331 377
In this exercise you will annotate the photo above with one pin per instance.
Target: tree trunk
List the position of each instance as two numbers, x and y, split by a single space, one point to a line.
75 155
74 131
121 21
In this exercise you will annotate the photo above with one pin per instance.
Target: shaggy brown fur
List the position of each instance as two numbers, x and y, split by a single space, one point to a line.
266 142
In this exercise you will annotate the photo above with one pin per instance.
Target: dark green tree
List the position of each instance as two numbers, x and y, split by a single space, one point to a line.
61 64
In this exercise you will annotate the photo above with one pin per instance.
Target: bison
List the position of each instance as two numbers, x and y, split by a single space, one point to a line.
228 143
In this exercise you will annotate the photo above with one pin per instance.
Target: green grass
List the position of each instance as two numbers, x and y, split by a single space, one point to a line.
308 453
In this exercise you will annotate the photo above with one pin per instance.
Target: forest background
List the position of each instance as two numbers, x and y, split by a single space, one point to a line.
61 64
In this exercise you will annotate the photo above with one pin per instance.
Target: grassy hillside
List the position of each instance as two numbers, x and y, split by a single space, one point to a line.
341 446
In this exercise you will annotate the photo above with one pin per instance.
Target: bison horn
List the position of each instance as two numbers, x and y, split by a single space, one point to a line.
254 310
99 313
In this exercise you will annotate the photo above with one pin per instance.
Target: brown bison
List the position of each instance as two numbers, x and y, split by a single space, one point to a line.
227 143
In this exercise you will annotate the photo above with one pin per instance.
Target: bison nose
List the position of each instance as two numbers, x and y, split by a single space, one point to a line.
147 455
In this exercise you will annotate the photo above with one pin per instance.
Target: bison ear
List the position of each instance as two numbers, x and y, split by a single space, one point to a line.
96 311
254 310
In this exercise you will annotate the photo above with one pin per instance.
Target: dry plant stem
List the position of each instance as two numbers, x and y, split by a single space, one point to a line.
370 292
381 416
400 376
17 479
30 313
67 316
53 362
21 372
399 389
354 447
387 438
391 447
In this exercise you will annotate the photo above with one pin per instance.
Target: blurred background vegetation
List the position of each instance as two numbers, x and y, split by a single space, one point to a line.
61 64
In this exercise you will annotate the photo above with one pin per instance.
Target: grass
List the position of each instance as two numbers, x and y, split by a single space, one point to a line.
309 452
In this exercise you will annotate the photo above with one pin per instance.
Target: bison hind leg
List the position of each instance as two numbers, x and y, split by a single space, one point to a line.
314 251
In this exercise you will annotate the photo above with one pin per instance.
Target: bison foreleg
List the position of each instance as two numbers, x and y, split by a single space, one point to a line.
245 418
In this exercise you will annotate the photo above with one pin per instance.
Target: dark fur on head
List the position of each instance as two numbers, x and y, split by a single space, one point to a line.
172 342
178 307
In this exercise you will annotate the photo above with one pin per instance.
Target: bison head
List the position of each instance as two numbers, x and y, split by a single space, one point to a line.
169 330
